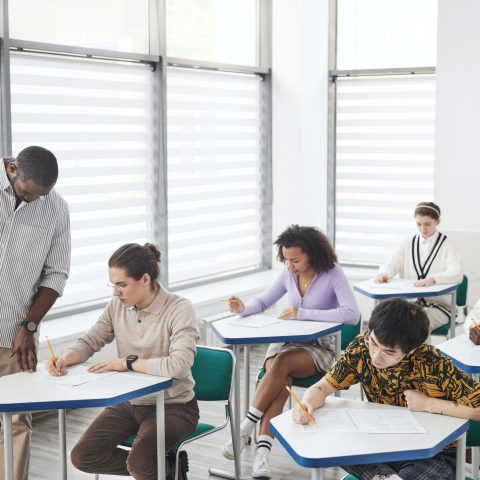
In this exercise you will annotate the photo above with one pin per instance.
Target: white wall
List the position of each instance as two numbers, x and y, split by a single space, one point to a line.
457 158
300 82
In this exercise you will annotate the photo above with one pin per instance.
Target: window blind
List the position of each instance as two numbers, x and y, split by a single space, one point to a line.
97 118
215 174
384 162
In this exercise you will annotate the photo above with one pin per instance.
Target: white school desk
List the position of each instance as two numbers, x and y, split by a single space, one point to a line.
396 288
30 392
317 450
466 356
239 336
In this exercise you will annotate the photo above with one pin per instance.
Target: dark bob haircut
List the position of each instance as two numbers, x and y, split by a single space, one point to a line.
312 242
397 322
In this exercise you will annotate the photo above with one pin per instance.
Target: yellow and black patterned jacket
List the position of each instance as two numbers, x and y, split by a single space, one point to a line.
426 369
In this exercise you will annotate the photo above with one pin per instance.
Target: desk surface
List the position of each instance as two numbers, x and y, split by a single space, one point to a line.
401 288
33 391
463 352
295 331
317 449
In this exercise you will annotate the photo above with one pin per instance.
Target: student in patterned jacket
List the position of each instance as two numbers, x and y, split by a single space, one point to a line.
396 367
429 258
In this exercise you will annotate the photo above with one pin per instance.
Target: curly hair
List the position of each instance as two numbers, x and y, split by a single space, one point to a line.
312 242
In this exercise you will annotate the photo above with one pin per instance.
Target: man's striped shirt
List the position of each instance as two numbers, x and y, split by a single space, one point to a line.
34 252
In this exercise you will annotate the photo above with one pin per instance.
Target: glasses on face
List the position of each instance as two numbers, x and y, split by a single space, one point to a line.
389 357
119 288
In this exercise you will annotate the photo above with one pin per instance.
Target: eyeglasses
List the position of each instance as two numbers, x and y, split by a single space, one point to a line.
119 288
391 358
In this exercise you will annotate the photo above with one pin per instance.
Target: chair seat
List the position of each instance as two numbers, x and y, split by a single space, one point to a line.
201 429
443 330
298 382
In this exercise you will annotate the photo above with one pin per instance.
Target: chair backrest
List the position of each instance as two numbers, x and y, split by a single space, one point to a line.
462 292
212 371
473 434
349 332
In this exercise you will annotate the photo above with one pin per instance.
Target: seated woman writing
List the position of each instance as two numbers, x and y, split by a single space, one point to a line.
317 290
156 333
429 258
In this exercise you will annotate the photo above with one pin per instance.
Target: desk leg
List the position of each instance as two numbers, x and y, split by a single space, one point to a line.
246 384
62 436
8 445
235 423
317 474
160 435
453 311
461 448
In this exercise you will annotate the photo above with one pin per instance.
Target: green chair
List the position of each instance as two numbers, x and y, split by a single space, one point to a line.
461 302
473 441
212 370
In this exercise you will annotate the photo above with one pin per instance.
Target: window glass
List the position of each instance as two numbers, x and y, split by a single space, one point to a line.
223 31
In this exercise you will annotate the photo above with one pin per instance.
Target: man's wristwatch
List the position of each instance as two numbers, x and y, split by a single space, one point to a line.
130 359
31 327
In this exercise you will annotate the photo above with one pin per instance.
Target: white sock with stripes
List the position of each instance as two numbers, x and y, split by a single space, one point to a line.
264 444
253 416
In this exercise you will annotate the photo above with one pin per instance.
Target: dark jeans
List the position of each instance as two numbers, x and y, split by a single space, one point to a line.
97 450
439 467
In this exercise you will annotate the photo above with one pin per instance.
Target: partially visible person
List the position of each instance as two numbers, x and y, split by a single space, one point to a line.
429 258
317 290
472 324
156 333
395 367
34 266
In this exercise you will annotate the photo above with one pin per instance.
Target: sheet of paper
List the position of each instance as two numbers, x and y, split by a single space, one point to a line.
255 321
394 285
114 385
386 421
78 375
331 420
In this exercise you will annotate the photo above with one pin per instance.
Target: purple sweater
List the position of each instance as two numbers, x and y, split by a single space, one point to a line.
328 298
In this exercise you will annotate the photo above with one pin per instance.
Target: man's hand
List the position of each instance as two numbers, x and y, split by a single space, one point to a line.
25 350
299 415
474 334
417 401
289 314
114 365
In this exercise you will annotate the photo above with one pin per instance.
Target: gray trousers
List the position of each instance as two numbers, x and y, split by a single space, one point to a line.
97 450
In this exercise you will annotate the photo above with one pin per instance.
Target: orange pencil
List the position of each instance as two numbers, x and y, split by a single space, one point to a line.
301 405
54 357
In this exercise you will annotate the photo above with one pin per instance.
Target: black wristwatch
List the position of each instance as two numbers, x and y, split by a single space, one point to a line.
130 359
31 327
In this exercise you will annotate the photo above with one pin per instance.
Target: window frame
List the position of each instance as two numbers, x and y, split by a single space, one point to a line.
333 75
159 63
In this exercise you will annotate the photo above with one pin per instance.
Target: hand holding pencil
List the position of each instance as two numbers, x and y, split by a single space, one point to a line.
474 332
55 365
302 412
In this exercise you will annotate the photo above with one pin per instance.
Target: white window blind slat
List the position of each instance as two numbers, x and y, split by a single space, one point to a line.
214 174
97 118
384 162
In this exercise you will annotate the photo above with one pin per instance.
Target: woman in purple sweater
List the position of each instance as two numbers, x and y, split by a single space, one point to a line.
317 290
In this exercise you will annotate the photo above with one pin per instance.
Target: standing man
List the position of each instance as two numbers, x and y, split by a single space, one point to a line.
34 266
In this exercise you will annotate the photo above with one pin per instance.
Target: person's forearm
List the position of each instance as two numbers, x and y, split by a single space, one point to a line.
452 409
71 357
42 302
317 394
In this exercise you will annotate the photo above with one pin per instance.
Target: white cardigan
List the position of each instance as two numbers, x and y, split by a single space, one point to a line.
444 264
473 315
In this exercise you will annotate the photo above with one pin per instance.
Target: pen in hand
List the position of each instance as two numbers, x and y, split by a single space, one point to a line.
300 404
54 357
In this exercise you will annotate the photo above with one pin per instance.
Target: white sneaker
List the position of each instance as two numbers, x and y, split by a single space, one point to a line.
261 468
227 449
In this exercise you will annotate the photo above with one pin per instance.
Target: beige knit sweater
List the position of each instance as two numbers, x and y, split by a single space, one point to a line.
165 333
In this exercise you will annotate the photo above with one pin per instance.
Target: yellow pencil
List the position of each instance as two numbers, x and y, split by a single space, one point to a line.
54 357
301 405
